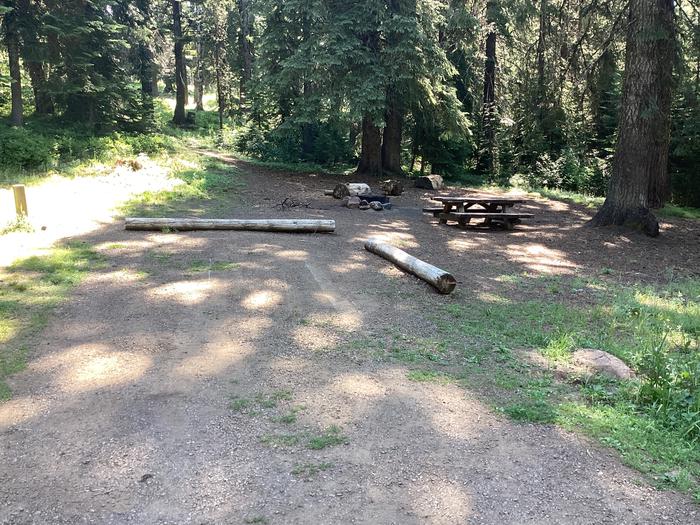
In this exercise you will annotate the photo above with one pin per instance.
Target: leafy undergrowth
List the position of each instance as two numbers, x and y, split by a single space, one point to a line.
508 352
29 290
202 179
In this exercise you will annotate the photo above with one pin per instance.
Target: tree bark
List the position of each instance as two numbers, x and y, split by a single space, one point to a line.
146 65
246 50
640 168
267 225
371 155
43 101
487 157
444 282
391 145
199 76
180 117
12 42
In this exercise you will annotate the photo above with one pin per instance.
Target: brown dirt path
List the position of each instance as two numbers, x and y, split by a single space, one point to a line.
183 396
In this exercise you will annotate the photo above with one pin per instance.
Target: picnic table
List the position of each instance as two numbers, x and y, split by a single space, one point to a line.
492 209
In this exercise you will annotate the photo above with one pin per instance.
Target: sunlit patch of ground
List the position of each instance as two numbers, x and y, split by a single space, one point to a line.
188 292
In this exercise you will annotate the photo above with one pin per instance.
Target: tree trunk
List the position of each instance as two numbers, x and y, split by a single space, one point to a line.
146 69
371 155
12 41
180 117
246 50
265 225
640 167
155 77
199 76
444 282
219 87
487 156
391 146
43 102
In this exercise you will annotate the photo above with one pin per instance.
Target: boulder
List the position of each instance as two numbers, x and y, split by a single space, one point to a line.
430 182
376 206
364 205
351 202
601 362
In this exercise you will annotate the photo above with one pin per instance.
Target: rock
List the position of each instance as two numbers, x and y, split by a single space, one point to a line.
387 206
376 205
430 182
392 187
601 362
364 205
352 202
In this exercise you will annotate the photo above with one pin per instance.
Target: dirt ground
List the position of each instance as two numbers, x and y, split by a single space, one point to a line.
165 394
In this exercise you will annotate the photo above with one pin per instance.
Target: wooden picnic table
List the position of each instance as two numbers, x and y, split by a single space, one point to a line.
491 209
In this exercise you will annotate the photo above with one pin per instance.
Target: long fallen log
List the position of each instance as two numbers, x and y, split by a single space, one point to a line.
440 279
263 225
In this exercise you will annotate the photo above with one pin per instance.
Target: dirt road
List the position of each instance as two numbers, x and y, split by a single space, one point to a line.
211 378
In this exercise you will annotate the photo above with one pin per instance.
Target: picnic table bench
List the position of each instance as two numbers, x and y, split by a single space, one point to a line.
492 209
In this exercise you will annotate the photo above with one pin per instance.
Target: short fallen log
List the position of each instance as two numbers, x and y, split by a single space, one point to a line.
351 189
266 225
440 279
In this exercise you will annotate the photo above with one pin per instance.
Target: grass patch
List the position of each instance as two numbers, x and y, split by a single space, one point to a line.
683 212
281 440
429 376
201 179
212 266
654 421
330 437
589 201
20 225
29 290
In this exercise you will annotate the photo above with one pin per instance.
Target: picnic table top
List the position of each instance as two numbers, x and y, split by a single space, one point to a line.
484 199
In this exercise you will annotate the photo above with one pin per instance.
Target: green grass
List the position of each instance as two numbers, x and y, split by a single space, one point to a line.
679 211
201 179
281 440
486 345
213 266
29 290
590 201
330 437
429 376
20 224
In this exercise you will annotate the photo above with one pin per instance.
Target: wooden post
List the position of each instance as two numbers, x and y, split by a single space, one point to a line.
440 279
20 200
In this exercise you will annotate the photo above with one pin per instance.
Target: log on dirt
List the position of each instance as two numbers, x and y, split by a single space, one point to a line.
351 189
263 225
440 279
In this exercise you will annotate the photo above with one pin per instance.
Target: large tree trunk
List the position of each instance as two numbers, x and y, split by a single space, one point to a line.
245 45
180 117
146 69
12 41
640 167
371 155
487 155
391 146
43 101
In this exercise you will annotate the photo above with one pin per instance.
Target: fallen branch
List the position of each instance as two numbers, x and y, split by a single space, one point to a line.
440 279
267 225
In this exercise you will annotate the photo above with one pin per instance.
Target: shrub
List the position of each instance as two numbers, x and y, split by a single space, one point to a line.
21 148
